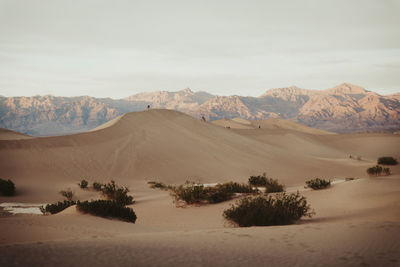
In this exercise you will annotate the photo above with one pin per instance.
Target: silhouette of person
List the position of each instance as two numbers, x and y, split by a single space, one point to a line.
148 106
203 118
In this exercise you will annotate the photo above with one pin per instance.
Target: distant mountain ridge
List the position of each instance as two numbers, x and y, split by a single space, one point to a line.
343 108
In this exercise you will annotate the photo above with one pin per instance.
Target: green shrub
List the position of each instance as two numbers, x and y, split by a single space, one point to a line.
68 194
271 185
279 209
57 207
107 209
7 188
83 184
318 183
387 161
387 171
376 170
117 193
97 186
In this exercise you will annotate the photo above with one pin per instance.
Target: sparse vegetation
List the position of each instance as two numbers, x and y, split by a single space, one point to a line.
279 209
68 194
376 170
271 185
83 184
57 207
107 209
318 183
7 188
387 161
349 179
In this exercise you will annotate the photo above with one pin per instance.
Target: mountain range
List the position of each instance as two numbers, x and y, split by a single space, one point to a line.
342 109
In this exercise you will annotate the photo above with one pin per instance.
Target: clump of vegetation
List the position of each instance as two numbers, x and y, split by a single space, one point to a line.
192 193
7 188
318 183
107 209
387 161
376 170
279 209
271 185
97 186
68 194
160 185
83 184
57 207
349 179
117 193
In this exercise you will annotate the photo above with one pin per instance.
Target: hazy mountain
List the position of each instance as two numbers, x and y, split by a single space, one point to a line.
344 108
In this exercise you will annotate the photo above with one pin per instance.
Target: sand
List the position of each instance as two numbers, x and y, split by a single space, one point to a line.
356 223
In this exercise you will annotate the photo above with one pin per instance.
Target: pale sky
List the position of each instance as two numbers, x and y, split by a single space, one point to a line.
119 48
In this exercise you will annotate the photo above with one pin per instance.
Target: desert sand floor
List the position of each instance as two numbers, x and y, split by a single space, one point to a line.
357 223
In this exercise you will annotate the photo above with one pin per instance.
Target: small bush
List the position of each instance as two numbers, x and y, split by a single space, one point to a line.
160 185
117 193
57 207
318 183
387 171
107 209
97 186
68 194
349 179
271 185
279 209
387 161
83 184
7 188
376 170
260 180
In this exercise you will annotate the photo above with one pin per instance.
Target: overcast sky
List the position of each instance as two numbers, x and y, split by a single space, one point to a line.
119 48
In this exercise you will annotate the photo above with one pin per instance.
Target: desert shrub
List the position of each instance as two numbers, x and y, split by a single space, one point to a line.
7 188
318 183
83 184
349 179
387 171
117 193
97 186
376 170
154 184
57 207
107 209
271 185
387 161
279 209
68 194
260 180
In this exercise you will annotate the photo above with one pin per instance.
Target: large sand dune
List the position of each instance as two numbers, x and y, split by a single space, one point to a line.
356 222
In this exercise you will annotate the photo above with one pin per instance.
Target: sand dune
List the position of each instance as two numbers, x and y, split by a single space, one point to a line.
356 222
